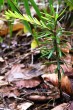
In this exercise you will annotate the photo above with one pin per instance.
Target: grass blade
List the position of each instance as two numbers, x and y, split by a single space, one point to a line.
26 5
36 8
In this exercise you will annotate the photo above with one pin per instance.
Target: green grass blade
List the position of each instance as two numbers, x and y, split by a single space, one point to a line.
50 2
27 26
26 5
36 8
13 6
1 4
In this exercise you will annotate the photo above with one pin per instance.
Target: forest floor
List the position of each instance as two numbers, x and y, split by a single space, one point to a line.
31 86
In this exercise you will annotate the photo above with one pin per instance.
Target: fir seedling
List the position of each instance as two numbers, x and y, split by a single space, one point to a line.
51 31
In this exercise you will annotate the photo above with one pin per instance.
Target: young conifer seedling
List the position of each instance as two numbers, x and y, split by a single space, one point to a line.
51 31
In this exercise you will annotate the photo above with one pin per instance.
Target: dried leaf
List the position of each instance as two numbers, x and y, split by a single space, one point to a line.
61 107
1 59
65 82
24 106
34 44
8 91
66 68
4 29
41 96
67 48
53 78
37 98
30 83
3 82
17 73
66 85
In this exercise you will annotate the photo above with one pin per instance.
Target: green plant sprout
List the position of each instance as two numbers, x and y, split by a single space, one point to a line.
50 30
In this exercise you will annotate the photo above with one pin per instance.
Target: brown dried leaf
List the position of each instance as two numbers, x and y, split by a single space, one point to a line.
66 85
2 81
42 97
67 48
19 72
64 106
35 97
4 29
15 73
53 78
24 106
61 106
9 91
30 83
65 82
67 58
66 68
